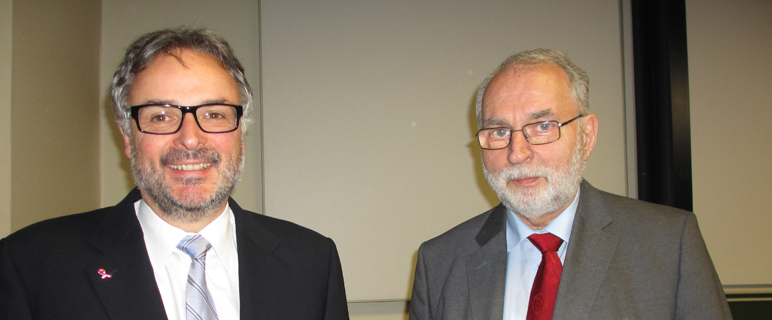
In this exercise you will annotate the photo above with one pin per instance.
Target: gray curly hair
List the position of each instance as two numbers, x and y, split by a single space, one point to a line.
142 52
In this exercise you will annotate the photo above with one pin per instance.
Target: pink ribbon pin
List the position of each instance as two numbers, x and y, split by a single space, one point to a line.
104 274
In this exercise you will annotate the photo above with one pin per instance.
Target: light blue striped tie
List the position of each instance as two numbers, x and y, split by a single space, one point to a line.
198 302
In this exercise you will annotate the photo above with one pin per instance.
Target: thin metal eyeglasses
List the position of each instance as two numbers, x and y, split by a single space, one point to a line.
167 118
536 133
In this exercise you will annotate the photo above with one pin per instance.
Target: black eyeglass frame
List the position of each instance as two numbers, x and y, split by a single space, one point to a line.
185 110
560 125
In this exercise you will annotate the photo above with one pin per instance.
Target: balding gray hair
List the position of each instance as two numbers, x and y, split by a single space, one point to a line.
578 81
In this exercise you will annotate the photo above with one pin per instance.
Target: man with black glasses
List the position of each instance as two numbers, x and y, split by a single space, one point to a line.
557 248
177 246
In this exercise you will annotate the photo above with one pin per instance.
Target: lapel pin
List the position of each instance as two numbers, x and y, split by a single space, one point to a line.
104 274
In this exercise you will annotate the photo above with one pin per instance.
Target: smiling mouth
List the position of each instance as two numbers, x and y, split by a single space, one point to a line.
190 167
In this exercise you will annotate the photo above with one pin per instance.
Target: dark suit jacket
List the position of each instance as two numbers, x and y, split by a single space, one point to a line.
49 270
626 259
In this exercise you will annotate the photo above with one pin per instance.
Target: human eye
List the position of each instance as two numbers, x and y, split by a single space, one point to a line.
160 117
213 115
543 127
499 133
217 113
157 114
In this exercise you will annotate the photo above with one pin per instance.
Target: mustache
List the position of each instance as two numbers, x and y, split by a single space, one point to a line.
521 171
205 154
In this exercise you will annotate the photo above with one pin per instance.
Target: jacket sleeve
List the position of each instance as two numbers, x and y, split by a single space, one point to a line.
337 307
13 298
419 302
700 294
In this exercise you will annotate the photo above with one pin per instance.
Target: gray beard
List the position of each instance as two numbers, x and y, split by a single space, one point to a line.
152 182
562 185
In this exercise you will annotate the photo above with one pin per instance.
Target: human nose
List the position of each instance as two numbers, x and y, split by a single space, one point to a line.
519 149
190 136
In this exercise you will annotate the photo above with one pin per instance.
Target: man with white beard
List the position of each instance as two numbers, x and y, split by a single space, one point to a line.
557 248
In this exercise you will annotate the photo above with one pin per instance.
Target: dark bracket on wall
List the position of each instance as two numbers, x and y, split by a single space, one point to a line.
662 102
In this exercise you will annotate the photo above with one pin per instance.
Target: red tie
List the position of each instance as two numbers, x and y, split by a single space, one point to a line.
541 305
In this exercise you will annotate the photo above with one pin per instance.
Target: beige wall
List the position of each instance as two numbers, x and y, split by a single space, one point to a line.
6 40
378 310
730 76
53 110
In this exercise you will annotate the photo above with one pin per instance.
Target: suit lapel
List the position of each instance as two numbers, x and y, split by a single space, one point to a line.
257 263
590 251
128 290
486 268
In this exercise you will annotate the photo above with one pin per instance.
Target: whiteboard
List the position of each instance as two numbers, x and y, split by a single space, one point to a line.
368 116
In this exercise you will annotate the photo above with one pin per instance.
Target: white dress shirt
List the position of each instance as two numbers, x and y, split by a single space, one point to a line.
523 258
171 266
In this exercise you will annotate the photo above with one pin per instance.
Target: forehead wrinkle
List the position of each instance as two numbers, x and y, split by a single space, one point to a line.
489 100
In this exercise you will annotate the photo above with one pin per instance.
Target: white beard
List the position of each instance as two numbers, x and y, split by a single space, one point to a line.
562 185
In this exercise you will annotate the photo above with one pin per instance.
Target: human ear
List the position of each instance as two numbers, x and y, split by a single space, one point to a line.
590 132
126 143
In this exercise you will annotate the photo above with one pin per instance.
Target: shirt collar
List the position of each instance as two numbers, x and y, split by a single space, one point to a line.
220 234
518 231
162 238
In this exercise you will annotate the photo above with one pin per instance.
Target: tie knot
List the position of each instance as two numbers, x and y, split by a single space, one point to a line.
195 246
545 242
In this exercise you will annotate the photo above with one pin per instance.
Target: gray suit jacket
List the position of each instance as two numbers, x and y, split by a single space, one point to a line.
627 259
